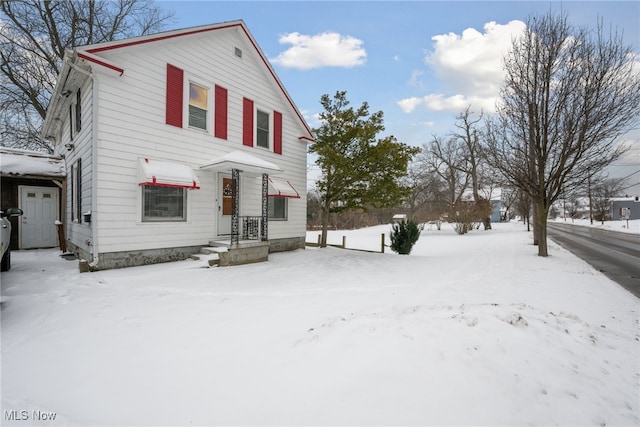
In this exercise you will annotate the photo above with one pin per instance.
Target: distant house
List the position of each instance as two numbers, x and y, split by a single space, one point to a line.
177 141
494 196
33 182
625 205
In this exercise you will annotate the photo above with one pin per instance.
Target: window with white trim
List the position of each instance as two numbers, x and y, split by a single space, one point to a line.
163 203
277 207
262 129
198 106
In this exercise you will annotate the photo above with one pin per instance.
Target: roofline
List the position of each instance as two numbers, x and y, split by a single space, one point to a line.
54 101
21 151
103 47
100 61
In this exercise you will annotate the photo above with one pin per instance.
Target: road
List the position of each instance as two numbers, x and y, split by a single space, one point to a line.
615 254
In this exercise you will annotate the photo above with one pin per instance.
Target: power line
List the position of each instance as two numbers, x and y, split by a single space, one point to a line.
622 179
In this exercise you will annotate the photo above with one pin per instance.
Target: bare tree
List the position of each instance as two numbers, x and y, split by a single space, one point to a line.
522 205
569 93
602 192
508 198
428 199
445 158
33 37
475 164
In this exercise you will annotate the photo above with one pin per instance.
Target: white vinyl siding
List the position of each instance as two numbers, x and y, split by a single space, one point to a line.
78 199
131 125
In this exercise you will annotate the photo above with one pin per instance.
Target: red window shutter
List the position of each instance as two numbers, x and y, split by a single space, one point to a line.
175 81
247 122
220 124
277 132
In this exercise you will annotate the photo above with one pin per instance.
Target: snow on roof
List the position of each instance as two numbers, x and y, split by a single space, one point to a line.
242 161
15 162
624 199
168 174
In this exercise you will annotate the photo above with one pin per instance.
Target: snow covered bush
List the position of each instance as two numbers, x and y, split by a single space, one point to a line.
403 236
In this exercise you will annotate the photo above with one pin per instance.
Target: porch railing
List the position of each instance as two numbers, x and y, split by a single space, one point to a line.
249 229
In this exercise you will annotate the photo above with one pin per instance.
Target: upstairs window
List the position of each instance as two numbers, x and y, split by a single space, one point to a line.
262 129
198 106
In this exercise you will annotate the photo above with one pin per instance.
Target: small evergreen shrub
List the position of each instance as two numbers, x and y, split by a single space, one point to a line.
403 236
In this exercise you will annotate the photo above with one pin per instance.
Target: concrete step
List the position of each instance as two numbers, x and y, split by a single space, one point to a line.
219 244
209 259
213 250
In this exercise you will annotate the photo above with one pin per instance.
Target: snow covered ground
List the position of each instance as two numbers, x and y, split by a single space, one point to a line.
632 226
467 330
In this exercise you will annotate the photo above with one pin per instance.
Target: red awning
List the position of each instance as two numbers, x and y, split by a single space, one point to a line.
167 174
282 188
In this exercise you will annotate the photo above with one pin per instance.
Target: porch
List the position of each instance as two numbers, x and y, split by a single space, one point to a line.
246 240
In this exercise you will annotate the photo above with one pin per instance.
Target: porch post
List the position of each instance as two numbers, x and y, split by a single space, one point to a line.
264 229
235 205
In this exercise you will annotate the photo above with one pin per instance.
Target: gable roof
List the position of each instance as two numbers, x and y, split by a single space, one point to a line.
89 54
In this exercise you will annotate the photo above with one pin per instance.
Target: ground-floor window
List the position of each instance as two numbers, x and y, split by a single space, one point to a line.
164 203
277 207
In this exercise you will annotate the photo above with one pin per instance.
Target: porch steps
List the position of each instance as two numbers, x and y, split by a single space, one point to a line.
243 252
209 255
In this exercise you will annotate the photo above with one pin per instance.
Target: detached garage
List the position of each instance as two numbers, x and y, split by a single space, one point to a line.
33 182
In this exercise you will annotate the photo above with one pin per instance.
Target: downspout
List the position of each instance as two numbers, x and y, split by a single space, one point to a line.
94 175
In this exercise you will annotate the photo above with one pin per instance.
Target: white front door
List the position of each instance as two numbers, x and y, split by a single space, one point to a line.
224 200
40 212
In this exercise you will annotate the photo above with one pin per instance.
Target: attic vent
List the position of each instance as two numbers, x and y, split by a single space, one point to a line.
238 52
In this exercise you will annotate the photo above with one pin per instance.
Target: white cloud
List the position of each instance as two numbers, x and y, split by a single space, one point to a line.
409 104
469 65
327 49
440 102
415 79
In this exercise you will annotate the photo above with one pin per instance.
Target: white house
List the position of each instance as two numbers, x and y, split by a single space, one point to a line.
177 141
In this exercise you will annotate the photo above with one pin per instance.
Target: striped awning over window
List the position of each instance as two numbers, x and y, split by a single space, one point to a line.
167 174
282 188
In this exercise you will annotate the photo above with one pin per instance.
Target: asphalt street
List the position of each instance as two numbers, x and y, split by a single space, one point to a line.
615 254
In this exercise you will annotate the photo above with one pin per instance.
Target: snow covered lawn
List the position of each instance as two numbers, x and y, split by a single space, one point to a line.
467 330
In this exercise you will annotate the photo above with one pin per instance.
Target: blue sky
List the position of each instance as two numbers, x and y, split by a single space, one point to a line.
420 62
